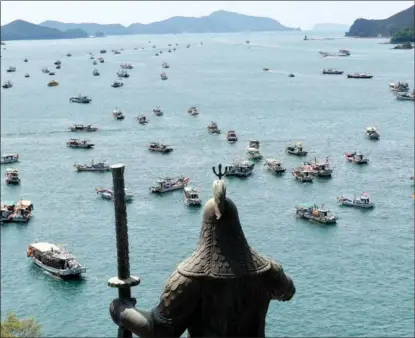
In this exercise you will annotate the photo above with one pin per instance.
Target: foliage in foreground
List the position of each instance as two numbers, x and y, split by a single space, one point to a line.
14 327
404 35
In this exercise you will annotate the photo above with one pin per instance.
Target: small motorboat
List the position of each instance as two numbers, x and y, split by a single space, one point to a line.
142 119
401 87
12 176
76 143
356 158
53 83
405 96
11 69
157 111
58 67
80 99
359 76
7 84
126 66
231 136
159 147
254 154
332 72
163 76
303 174
362 202
26 75
296 150
25 60
117 84
291 75
108 194
193 111
118 115
123 74
165 65
96 72
275 166
69 55
213 128
57 62
191 197
240 169
372 133
96 167
51 73
169 184
81 127
313 213
9 158
254 144
265 69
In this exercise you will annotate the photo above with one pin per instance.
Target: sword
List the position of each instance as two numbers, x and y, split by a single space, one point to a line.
124 281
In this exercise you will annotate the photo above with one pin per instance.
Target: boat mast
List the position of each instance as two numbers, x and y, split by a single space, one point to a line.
124 281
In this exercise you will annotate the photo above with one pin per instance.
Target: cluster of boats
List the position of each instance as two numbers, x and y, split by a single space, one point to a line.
20 212
401 90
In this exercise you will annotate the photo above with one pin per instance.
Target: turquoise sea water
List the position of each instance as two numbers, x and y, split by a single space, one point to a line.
353 279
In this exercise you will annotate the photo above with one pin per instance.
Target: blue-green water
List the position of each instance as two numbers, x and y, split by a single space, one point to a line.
354 279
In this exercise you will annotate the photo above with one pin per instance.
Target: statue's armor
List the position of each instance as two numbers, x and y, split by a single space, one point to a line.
224 288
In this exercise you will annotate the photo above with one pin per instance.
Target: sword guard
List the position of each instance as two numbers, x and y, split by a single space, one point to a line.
116 282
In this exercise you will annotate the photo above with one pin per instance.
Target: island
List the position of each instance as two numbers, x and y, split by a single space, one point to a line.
23 30
217 22
364 28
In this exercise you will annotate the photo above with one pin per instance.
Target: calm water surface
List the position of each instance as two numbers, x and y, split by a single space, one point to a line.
353 279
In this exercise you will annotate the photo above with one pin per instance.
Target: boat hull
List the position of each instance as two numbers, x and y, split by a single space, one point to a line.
157 190
317 219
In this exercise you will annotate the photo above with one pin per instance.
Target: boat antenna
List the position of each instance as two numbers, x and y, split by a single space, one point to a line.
124 281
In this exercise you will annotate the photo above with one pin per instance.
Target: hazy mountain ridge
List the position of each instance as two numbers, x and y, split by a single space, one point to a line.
217 22
23 30
385 27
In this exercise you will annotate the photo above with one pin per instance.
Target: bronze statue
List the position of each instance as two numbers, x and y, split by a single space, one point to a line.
222 290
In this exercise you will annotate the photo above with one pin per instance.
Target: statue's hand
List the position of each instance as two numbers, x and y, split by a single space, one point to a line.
119 305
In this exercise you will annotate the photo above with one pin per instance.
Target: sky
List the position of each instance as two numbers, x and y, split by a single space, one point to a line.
303 14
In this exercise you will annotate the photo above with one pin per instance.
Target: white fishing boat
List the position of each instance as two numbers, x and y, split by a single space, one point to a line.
96 72
12 176
81 127
372 133
313 213
399 87
77 143
55 260
20 212
275 166
117 84
117 114
123 74
303 174
108 194
163 76
165 65
11 69
356 158
296 150
142 119
7 84
193 111
96 167
362 202
157 111
126 66
80 99
191 197
254 154
405 96
169 184
320 169
240 169
9 158
213 128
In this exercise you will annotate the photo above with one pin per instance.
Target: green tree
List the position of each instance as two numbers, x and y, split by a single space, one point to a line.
14 327
404 35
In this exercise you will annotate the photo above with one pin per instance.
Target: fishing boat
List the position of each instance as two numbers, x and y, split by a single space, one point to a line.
117 84
51 73
53 83
123 74
103 51
108 194
332 72
80 99
20 212
275 166
76 143
96 167
9 158
45 70
157 54
265 69
117 52
94 62
304 174
313 213
25 60
12 176
169 184
359 76
11 69
55 259
291 75
213 128
356 158
405 96
101 60
320 169
7 84
254 144
69 55
117 114
57 62
159 147
231 136
142 119
126 66
362 202
399 87
254 154
193 111
96 72
341 52
165 65
371 133
81 127
240 169
26 75
157 111
163 76
58 67
296 150
191 196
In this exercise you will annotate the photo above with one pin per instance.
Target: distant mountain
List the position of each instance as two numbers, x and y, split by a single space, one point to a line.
331 27
23 30
386 27
90 28
217 22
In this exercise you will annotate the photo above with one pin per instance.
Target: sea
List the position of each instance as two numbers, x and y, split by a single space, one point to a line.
353 279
